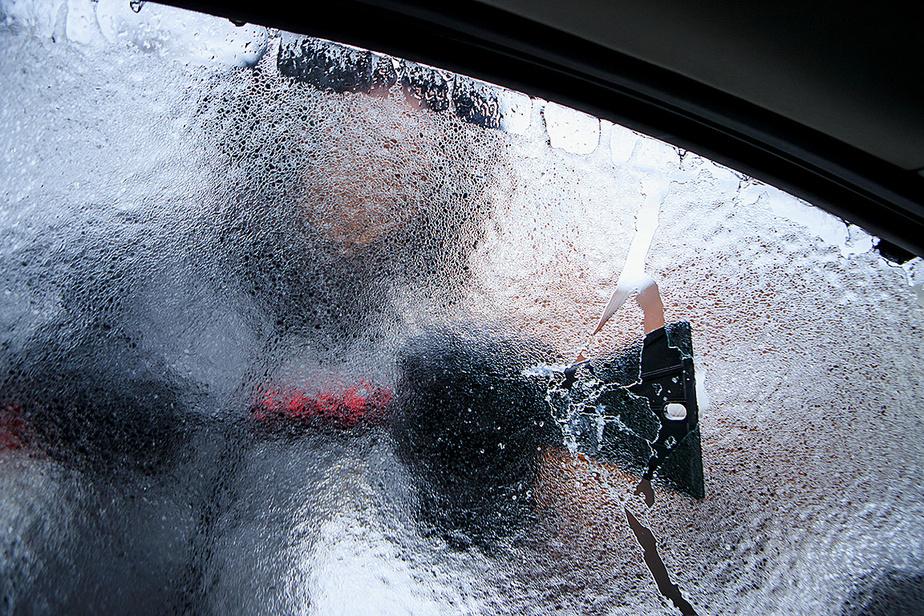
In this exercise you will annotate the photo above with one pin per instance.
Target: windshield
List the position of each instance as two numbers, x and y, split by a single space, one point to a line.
292 326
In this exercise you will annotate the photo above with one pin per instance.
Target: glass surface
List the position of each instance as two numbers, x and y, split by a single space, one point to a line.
285 327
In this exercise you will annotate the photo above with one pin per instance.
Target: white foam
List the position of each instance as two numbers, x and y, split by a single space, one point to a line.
571 130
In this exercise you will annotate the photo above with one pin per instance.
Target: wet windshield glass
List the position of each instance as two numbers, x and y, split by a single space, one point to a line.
294 327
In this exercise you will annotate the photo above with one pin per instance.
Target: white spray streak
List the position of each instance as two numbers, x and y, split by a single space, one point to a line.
633 277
